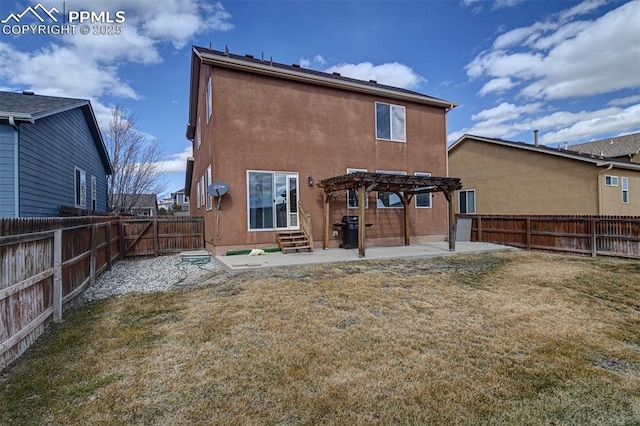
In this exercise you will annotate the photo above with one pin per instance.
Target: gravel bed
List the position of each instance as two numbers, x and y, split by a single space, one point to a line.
149 275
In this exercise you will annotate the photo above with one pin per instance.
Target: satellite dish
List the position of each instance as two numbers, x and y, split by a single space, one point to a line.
218 189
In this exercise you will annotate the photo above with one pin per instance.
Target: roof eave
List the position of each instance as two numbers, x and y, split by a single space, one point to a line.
269 70
564 153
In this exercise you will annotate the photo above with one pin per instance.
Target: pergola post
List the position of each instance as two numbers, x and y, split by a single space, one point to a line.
452 221
406 199
361 220
325 204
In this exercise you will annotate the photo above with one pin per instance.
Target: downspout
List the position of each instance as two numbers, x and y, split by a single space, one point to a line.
16 168
600 197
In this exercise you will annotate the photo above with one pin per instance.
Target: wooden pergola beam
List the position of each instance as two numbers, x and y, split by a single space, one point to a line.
405 186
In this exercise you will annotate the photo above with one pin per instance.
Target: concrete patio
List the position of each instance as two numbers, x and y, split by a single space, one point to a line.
242 263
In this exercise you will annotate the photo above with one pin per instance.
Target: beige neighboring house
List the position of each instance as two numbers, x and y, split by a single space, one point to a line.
515 178
621 148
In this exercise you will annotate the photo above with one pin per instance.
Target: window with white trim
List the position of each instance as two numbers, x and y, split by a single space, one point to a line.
352 194
209 101
208 182
80 188
203 191
272 201
625 190
389 200
198 135
467 201
94 193
390 122
610 180
423 200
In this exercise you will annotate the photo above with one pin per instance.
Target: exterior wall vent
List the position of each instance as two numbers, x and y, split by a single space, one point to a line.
28 92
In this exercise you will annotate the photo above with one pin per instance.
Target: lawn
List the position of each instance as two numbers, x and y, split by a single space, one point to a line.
503 338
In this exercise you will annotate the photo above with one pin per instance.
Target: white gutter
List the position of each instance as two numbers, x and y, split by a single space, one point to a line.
600 197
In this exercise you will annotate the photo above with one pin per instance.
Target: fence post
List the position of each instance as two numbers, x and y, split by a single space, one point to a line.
108 238
594 238
57 275
121 239
528 233
156 242
94 252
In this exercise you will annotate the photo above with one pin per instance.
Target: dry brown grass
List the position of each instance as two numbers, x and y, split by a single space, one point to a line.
512 338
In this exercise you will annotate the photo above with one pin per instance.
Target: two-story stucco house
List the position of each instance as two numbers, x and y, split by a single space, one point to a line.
272 131
515 178
51 155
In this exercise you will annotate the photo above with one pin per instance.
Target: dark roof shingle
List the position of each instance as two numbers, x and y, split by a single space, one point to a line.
611 147
35 105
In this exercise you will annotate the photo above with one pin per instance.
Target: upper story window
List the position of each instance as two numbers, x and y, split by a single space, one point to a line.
611 180
209 101
390 122
625 190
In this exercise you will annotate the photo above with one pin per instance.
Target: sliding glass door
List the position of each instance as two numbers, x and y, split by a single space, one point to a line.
273 200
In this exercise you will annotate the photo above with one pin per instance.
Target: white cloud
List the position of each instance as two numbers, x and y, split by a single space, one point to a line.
496 85
393 74
564 59
177 163
501 4
88 66
507 120
317 60
625 101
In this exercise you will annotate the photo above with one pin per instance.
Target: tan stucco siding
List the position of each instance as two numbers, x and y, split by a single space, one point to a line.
515 181
612 202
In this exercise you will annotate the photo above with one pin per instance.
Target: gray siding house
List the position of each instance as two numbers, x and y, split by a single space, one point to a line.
51 155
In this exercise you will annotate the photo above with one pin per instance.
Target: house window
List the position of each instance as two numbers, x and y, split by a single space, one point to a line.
352 194
389 200
94 198
208 182
272 200
625 190
198 136
209 101
202 192
390 122
423 200
611 180
81 188
467 201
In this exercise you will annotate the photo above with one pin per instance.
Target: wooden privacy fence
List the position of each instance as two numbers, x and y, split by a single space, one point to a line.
159 236
45 264
617 236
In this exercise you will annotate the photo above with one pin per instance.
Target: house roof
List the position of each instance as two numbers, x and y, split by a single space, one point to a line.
28 107
138 201
542 149
611 147
294 72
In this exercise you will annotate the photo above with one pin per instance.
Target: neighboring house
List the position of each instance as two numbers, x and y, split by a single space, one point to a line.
271 131
140 204
621 148
165 206
504 177
180 199
51 155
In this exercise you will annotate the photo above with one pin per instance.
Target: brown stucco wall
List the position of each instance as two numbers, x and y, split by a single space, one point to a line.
270 124
516 181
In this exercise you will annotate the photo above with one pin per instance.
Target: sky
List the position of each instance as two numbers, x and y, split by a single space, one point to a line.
570 69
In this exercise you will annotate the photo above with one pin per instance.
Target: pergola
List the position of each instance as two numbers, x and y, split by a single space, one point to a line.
403 186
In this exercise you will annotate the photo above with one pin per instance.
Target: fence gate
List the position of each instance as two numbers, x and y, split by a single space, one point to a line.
158 236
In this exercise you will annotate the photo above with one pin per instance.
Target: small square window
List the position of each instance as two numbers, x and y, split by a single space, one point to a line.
611 180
